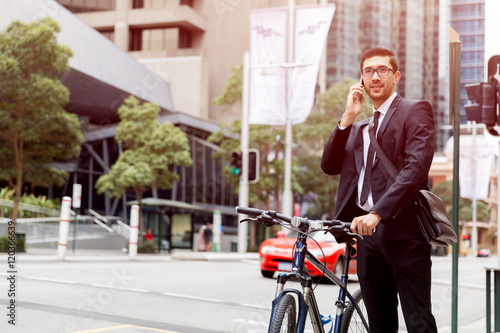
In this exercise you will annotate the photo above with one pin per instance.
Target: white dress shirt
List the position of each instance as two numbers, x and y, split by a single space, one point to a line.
366 143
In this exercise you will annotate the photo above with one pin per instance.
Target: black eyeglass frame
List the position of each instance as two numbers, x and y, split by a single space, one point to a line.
377 70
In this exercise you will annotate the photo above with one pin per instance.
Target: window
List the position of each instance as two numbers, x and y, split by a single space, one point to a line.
81 6
138 4
162 39
467 10
159 3
109 35
159 39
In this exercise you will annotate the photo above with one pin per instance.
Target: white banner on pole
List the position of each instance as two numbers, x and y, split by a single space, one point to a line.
268 50
268 38
483 164
312 24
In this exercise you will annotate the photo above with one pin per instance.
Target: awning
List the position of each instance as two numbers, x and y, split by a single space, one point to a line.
156 202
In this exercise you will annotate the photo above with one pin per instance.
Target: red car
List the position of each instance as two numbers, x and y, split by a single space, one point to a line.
276 254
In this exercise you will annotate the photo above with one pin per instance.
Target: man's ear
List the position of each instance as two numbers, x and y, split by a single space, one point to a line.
397 76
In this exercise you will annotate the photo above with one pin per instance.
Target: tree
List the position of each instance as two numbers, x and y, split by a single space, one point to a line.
307 178
150 151
311 135
445 191
265 138
35 130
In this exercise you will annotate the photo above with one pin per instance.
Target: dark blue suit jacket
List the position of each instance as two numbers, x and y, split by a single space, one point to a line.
406 135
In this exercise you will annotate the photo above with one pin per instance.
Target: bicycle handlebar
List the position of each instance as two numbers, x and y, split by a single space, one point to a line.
293 220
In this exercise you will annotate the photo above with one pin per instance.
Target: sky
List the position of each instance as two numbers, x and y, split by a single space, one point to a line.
492 27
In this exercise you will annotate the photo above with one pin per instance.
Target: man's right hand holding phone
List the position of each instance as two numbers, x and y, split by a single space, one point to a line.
354 104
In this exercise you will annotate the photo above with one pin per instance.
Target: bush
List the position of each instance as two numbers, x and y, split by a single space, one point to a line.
20 243
147 247
4 243
40 201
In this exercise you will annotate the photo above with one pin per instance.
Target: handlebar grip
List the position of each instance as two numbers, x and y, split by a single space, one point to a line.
249 211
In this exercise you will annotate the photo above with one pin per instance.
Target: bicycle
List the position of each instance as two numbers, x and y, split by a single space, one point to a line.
350 314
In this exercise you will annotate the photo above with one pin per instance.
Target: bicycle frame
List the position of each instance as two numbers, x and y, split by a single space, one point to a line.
306 299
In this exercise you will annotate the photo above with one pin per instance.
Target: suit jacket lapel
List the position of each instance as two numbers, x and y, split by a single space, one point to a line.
388 115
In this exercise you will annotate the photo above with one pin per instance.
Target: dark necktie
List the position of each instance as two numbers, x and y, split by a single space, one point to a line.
369 163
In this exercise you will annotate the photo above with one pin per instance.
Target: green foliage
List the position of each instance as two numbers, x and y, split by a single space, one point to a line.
147 247
263 138
35 130
307 177
20 243
445 191
233 90
321 189
40 201
151 150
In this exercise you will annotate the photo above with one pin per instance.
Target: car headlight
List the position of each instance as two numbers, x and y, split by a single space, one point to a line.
268 249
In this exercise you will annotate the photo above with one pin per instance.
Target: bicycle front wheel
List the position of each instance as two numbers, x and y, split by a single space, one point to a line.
285 317
351 321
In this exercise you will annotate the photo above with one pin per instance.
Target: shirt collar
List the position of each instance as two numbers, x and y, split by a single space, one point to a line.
385 106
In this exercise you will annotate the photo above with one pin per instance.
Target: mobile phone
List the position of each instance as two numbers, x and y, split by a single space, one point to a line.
360 96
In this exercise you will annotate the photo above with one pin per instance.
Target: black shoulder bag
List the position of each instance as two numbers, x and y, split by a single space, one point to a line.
430 213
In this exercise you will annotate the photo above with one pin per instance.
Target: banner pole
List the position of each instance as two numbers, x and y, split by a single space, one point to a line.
287 201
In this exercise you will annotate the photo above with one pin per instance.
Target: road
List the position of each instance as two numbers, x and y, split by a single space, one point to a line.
106 292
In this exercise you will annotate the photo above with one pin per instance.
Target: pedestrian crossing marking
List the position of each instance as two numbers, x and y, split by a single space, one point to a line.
128 328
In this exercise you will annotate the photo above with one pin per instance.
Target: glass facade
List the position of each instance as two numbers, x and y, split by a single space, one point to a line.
468 20
342 51
410 28
203 182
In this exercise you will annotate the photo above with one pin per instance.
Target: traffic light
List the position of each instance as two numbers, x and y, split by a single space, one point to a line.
236 164
484 106
475 94
489 107
253 165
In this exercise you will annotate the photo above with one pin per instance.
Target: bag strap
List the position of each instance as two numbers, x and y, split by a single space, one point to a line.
381 154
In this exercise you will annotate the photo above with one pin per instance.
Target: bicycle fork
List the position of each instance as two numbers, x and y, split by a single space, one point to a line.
296 275
340 303
306 300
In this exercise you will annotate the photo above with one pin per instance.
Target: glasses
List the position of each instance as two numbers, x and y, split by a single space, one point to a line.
381 71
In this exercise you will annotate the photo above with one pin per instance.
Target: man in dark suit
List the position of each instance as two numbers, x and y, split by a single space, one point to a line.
393 257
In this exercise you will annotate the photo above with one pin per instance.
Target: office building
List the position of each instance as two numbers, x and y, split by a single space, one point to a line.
467 18
100 77
413 30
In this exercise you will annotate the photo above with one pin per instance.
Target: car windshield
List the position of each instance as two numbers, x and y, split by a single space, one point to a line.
319 236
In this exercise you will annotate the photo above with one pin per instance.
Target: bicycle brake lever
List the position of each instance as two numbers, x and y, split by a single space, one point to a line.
264 219
342 234
352 234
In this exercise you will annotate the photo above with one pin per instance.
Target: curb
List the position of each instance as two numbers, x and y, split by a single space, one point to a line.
214 256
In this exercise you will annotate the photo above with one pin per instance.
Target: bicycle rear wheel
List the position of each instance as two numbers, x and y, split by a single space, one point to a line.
351 321
285 318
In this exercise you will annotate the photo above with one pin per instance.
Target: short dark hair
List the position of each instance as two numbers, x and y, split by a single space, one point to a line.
379 51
